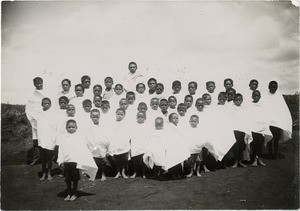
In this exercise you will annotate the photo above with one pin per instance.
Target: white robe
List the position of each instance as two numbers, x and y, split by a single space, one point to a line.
279 114
46 129
139 138
73 148
99 142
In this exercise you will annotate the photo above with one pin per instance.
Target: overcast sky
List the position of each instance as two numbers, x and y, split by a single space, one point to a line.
188 40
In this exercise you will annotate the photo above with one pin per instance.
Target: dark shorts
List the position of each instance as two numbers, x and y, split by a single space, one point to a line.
193 158
100 162
121 159
71 172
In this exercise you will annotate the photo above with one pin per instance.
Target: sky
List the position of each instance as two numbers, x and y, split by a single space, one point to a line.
169 40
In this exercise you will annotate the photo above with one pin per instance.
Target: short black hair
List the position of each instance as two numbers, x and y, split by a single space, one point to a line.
83 78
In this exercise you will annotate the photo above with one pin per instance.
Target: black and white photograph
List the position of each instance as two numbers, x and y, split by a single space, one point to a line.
150 105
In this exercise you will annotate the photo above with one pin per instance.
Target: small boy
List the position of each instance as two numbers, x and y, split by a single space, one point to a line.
123 103
172 102
192 87
87 105
140 88
46 129
108 92
230 92
164 105
210 86
152 82
97 90
176 86
63 103
207 99
97 101
222 98
105 106
139 144
74 155
154 103
66 85
159 91
100 144
86 83
119 89
181 110
142 107
120 143
132 77
228 84
200 104
188 100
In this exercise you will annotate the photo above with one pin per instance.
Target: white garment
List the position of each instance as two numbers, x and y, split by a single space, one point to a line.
46 129
73 148
279 114
139 138
99 142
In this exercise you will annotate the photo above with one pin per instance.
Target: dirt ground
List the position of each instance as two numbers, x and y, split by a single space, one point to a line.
275 186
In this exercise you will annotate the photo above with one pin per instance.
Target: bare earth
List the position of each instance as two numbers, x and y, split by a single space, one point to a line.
275 186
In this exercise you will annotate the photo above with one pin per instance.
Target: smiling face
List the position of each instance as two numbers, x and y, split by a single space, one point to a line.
46 105
39 85
200 105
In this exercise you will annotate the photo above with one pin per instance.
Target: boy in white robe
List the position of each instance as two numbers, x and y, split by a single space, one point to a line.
108 92
100 143
120 142
46 129
32 108
74 155
139 143
280 117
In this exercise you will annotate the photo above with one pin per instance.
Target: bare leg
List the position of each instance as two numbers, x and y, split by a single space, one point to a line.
118 172
103 177
198 171
190 174
123 173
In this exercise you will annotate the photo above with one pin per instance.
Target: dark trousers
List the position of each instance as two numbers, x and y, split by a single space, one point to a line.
46 158
273 144
138 164
257 145
239 145
72 175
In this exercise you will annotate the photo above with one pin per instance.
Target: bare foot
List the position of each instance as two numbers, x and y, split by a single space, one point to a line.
189 175
133 176
205 169
235 165
254 162
198 174
43 177
125 176
49 177
260 162
103 178
118 175
242 165
144 177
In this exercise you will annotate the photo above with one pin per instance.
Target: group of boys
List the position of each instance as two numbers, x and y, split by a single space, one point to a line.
92 128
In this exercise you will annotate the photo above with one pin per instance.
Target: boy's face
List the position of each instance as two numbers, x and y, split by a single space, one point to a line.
256 97
159 124
123 104
63 104
86 83
108 83
272 88
230 96
95 116
207 100
71 127
71 110
194 121
140 89
200 105
97 91
163 105
253 86
192 88
221 100
87 107
97 101
105 108
238 101
142 108
79 91
228 85
154 104
176 89
131 99
181 111
159 89
175 119
132 68
118 90
141 118
120 115
39 85
65 86
46 105
211 88
152 84
172 102
188 101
